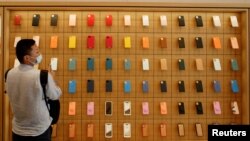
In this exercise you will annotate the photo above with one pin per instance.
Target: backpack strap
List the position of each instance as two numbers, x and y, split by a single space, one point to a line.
44 81
5 77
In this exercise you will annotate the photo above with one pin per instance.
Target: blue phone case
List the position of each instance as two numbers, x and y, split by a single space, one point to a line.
216 85
127 86
72 64
234 65
145 86
90 64
127 64
234 86
72 86
108 63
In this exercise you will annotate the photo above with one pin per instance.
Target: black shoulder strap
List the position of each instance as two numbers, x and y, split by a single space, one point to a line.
44 81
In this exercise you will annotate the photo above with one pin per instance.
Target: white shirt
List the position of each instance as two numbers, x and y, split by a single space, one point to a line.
30 114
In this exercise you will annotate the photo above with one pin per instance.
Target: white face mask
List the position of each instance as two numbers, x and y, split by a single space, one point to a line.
38 60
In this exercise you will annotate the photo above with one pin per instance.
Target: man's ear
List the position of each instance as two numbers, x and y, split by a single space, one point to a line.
26 59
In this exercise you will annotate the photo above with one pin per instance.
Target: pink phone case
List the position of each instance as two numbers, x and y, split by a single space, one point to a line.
145 108
90 108
217 109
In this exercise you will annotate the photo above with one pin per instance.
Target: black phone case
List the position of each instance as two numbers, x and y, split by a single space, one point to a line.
181 86
199 87
35 20
181 42
108 85
108 109
199 43
181 108
163 86
90 86
181 64
53 20
199 22
181 20
199 108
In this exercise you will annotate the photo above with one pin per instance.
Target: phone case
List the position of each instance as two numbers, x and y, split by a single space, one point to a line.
53 63
144 130
163 62
216 42
181 20
217 108
199 64
163 108
108 63
35 20
109 42
108 130
181 64
72 130
91 42
54 129
199 22
72 20
108 108
109 20
145 64
145 20
127 86
216 21
181 107
72 86
17 39
234 86
53 20
90 86
108 85
145 108
127 20
216 85
234 42
216 62
234 21
90 108
145 42
127 64
127 108
234 65
181 86
72 108
127 42
90 64
126 130
72 64
37 40
145 86
72 41
163 42
199 129
199 87
199 43
181 42
235 108
181 129
163 127
163 20
163 86
199 109
90 130
90 20
53 41
17 20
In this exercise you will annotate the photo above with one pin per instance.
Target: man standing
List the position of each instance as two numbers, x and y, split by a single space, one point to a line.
31 119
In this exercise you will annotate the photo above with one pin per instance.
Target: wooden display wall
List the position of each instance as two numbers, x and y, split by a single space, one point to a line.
154 52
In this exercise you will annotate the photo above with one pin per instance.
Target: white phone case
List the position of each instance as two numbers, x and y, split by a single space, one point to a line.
145 20
126 130
127 20
234 21
145 64
216 21
235 108
127 108
53 63
72 20
217 65
163 19
108 130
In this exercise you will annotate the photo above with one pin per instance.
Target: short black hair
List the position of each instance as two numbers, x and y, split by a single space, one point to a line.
23 48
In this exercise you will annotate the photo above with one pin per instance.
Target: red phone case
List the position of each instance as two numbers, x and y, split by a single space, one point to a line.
109 20
91 42
17 20
91 20
109 41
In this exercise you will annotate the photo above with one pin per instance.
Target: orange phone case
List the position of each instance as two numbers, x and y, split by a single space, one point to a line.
163 106
53 41
72 130
163 129
145 42
72 108
90 131
144 130
181 129
163 42
199 129
199 64
216 42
